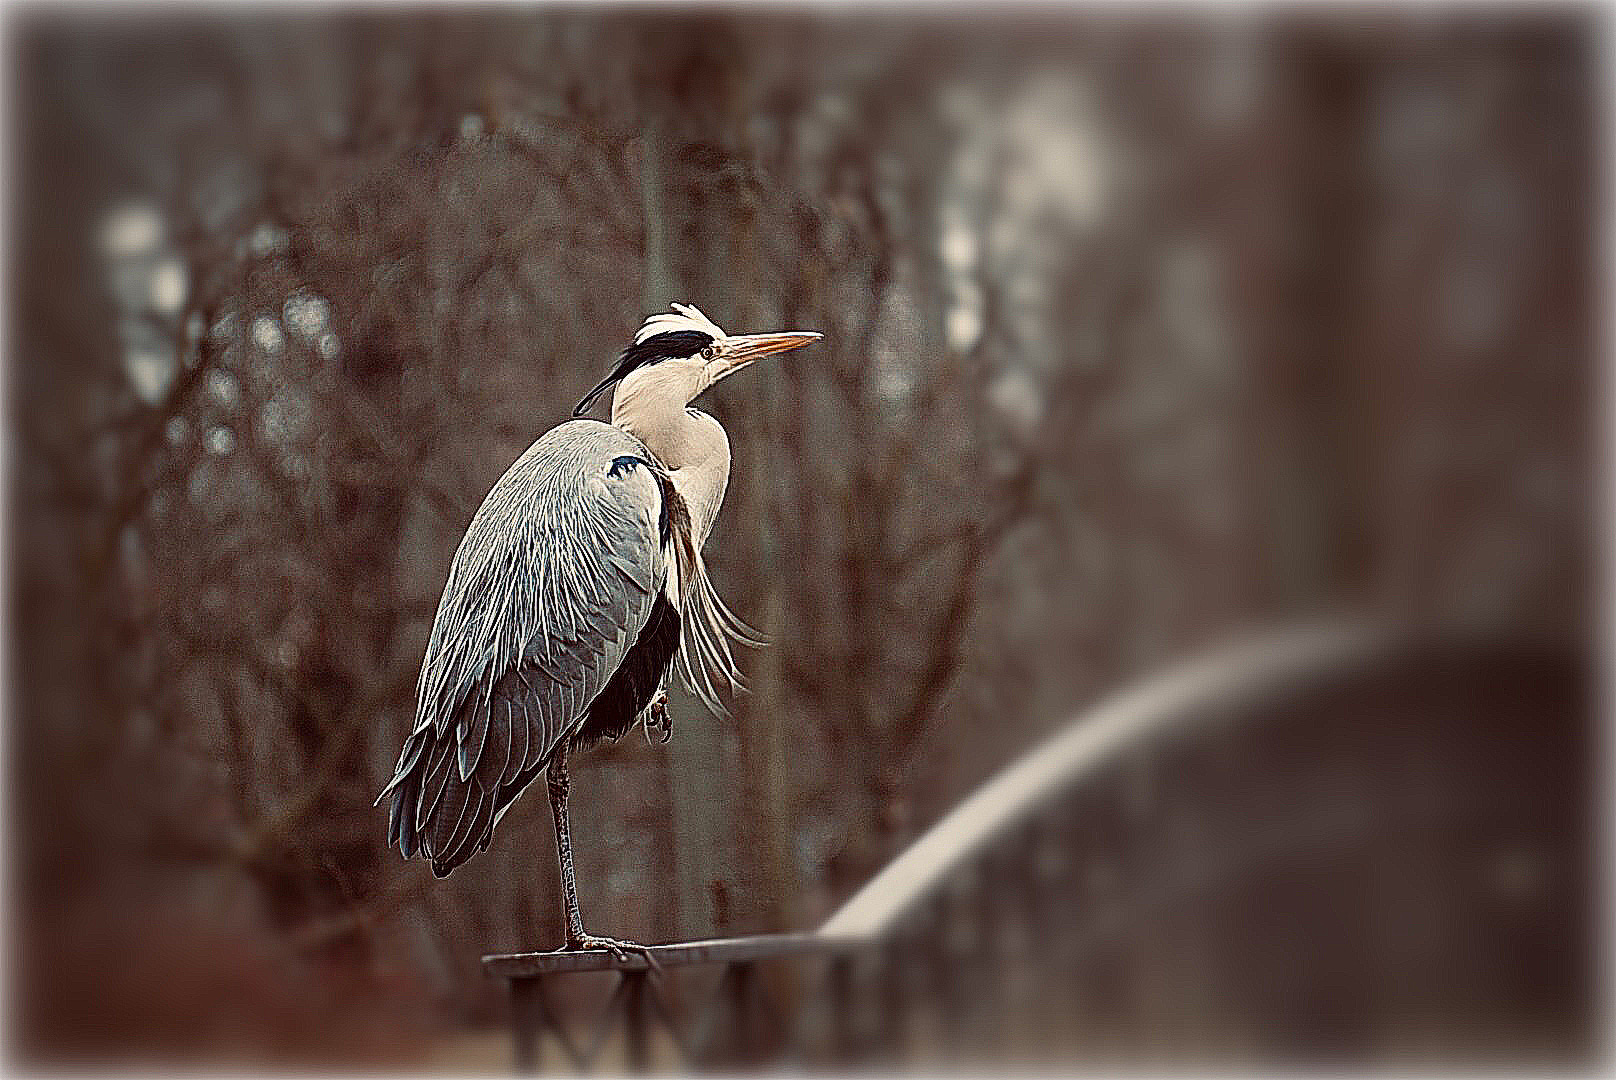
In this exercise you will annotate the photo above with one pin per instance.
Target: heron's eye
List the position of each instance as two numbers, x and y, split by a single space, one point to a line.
709 352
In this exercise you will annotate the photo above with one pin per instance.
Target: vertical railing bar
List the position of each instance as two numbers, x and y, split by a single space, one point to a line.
740 1013
743 1033
635 1021
1028 905
839 982
757 1013
526 1032
764 1000
983 911
887 993
951 961
619 992
790 1042
1008 865
717 1003
686 1049
563 1036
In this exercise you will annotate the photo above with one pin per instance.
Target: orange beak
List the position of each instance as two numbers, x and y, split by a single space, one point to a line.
742 350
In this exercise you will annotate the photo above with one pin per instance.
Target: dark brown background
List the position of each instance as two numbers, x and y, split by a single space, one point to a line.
1137 330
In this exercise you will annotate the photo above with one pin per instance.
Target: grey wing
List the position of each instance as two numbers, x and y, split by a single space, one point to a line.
555 577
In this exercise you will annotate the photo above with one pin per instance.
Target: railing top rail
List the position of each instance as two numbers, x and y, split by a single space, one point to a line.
1248 668
679 954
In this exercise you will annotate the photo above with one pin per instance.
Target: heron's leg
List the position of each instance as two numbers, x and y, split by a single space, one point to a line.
577 938
556 775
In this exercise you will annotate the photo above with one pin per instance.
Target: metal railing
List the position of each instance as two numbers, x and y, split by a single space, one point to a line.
739 1024
1131 877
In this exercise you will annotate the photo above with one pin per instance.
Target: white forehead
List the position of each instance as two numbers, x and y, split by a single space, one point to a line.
682 317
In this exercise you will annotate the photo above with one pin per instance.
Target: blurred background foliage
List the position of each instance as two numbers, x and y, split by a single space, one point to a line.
1138 329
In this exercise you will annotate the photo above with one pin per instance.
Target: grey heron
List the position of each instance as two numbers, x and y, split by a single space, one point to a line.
578 588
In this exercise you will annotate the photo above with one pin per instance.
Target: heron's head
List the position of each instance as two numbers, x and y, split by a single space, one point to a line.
675 356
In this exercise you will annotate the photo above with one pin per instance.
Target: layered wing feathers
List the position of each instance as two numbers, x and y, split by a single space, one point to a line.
551 584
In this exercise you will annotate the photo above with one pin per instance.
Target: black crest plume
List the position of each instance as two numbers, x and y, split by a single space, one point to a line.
671 345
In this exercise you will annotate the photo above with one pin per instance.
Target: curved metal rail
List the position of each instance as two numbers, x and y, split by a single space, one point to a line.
1343 747
1249 669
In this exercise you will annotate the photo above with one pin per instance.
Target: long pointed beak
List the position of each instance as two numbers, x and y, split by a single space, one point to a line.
743 349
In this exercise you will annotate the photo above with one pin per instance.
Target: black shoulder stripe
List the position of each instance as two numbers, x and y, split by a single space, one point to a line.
673 507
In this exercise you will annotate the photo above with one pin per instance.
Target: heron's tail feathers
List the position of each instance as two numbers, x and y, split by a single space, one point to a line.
705 659
446 818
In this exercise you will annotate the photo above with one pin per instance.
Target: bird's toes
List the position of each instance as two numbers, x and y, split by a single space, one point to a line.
619 950
658 719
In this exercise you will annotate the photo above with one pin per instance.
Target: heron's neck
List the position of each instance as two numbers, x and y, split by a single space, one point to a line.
693 448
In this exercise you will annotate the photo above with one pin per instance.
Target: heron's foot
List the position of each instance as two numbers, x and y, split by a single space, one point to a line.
620 950
658 719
